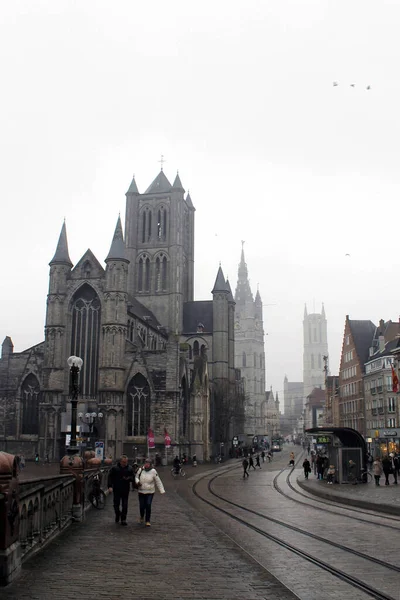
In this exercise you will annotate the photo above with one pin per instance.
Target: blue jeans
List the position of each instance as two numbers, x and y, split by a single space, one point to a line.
145 501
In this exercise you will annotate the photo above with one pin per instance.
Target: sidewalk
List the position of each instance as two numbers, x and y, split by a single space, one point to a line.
385 499
182 556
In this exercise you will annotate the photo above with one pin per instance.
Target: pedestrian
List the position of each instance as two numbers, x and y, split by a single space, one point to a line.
397 462
377 470
37 458
251 463
245 465
308 449
194 460
119 479
258 461
291 461
147 480
395 466
388 469
306 467
263 456
47 459
330 474
320 466
352 472
313 462
269 455
22 462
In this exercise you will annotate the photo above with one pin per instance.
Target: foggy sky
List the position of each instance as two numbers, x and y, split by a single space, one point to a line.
236 95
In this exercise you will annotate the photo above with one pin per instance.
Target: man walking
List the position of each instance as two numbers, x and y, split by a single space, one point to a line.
245 465
119 480
251 463
258 461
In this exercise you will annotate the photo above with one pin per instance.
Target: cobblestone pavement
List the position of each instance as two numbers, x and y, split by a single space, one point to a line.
305 579
182 556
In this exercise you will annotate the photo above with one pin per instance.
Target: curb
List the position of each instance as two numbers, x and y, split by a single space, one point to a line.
379 508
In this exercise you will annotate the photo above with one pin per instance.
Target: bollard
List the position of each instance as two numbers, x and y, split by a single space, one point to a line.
74 465
10 550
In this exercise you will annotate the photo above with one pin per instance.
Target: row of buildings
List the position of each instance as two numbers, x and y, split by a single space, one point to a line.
363 396
153 356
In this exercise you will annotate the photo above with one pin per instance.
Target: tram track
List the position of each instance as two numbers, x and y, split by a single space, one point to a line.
345 577
341 506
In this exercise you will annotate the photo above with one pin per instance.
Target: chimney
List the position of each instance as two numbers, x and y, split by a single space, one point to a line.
381 325
381 343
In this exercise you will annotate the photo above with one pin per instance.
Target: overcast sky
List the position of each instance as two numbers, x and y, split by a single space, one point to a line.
239 97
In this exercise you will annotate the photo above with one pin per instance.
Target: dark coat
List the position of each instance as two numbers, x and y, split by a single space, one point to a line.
306 466
119 478
387 464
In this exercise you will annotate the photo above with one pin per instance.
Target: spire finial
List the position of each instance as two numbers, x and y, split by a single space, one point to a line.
162 161
243 244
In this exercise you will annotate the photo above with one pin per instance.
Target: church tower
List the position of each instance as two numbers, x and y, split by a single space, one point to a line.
249 350
315 348
160 247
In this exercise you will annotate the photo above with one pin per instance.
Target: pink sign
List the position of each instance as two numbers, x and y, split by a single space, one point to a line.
167 439
150 439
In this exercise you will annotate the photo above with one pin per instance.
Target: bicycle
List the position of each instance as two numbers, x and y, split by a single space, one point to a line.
176 473
365 476
97 497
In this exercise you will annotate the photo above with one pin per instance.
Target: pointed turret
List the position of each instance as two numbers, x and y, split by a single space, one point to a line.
323 311
7 347
230 295
243 291
133 187
117 249
305 311
177 185
189 201
220 283
159 185
257 300
61 256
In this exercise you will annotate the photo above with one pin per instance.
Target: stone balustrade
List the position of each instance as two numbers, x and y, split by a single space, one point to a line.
34 512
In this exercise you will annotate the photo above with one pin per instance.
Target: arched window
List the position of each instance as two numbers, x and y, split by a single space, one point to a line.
196 348
190 352
138 405
140 275
158 274
147 275
162 224
255 359
30 397
244 359
144 215
312 361
149 226
164 273
86 313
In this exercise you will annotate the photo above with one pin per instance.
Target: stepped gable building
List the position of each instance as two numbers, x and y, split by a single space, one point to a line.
152 356
357 340
249 351
315 348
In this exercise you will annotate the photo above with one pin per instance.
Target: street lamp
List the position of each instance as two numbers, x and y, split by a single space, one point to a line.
90 419
75 364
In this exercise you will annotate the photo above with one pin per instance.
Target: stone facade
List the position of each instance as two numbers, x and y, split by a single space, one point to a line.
152 356
249 351
315 348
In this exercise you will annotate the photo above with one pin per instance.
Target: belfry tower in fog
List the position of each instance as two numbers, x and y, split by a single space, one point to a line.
315 348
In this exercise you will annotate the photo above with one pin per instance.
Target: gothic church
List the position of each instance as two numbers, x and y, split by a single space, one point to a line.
153 357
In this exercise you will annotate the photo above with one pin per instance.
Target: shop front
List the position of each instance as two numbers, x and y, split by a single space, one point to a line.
385 441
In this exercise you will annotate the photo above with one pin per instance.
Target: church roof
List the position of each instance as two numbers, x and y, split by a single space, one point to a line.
196 312
62 256
159 185
220 283
117 249
137 309
362 332
230 295
133 187
189 201
177 183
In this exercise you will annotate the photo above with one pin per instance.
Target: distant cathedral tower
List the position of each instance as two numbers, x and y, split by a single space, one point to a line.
315 348
249 350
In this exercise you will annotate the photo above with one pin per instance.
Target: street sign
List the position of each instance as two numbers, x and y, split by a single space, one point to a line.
99 450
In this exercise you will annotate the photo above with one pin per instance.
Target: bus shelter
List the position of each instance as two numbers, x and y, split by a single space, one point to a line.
339 445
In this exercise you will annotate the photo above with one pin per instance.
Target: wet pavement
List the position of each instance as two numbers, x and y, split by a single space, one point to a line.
181 556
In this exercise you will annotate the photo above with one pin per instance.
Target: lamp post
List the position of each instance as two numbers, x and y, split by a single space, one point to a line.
75 364
90 419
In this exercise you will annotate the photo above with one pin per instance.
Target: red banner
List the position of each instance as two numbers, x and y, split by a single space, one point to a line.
395 381
167 439
150 439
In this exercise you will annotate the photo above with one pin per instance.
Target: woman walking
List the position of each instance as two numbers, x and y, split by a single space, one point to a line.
377 469
147 480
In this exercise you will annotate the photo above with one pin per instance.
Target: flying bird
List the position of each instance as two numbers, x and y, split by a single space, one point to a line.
335 84
352 85
368 87
347 254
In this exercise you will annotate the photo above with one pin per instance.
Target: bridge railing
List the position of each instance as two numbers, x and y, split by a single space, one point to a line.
35 511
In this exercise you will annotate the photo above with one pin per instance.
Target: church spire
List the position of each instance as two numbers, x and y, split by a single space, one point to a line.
62 256
305 311
178 184
243 291
220 283
133 187
117 249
